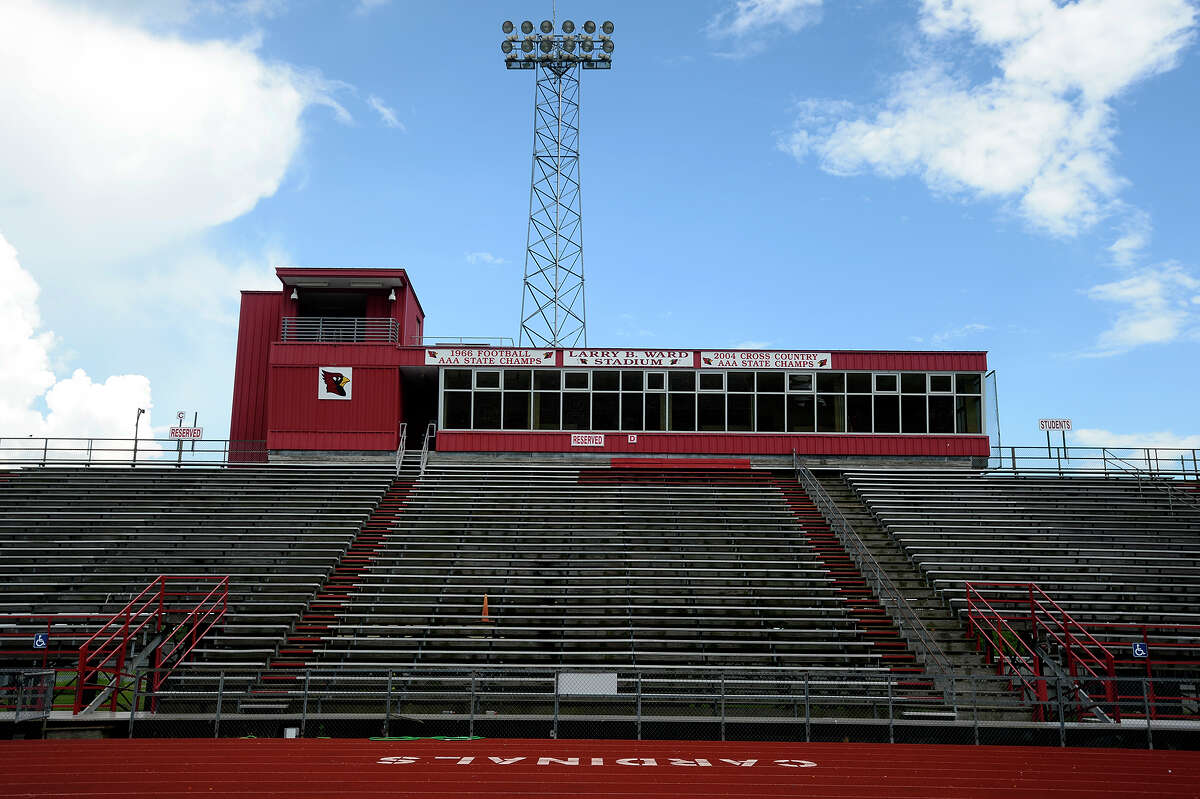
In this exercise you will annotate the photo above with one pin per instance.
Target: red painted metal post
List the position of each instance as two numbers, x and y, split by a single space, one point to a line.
83 656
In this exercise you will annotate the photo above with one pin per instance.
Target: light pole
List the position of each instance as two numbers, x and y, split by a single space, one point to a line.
136 422
553 311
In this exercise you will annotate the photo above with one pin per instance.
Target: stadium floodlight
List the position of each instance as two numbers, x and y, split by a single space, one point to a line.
552 305
507 27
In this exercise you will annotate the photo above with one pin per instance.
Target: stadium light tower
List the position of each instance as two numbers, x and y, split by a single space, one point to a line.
553 311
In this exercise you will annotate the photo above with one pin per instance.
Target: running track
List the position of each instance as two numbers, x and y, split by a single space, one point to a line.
337 769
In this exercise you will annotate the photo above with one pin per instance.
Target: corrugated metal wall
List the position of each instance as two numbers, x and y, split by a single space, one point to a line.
258 326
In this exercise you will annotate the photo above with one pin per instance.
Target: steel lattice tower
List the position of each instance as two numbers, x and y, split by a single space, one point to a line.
553 311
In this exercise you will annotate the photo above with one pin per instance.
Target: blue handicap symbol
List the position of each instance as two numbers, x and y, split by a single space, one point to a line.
41 640
1140 650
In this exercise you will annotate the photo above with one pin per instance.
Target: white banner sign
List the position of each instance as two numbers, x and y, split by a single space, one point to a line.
645 359
487 356
334 382
762 359
587 439
1055 425
187 433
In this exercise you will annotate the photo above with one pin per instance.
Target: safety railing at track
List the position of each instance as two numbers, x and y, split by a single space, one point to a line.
927 649
558 702
993 608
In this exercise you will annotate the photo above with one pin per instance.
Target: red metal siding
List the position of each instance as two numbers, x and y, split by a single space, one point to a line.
911 361
299 420
258 326
721 444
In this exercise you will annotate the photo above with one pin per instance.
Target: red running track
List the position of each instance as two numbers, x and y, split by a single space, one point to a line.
488 769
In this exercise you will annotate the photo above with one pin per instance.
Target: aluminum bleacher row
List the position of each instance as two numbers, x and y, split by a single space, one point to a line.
601 567
1113 552
86 540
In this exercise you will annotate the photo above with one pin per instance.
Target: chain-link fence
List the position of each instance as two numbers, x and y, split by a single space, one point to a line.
684 703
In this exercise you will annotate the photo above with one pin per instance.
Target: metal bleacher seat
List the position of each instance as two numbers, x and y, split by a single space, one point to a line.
1108 549
86 540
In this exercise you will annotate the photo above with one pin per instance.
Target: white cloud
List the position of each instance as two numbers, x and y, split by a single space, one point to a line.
1133 239
1094 437
385 113
747 23
483 258
75 406
946 336
1157 305
116 140
1039 134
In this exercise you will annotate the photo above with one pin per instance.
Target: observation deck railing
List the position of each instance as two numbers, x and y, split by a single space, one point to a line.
338 330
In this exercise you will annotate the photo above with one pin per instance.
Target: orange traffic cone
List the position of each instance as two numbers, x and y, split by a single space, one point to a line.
485 609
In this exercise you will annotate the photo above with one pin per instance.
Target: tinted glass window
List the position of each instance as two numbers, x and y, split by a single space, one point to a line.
858 413
576 380
655 381
606 411
741 412
545 410
656 412
858 382
967 383
887 414
940 383
712 381
941 414
912 383
457 413
831 381
770 381
606 381
458 378
769 409
800 414
487 380
711 415
681 381
576 411
912 414
885 382
631 411
517 378
968 418
741 381
800 382
486 415
547 379
831 412
682 412
631 381
516 410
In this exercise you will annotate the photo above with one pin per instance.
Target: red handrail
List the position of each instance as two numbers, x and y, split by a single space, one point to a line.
147 607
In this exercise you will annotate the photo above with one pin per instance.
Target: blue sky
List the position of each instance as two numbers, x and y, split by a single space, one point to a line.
1013 176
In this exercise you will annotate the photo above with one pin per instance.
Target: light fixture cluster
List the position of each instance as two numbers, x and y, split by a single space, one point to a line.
591 47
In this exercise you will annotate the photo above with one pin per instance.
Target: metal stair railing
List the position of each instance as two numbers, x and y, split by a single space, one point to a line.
909 623
430 435
400 446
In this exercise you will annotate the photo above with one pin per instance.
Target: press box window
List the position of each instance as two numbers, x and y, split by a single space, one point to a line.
886 384
741 381
606 381
606 411
712 381
576 381
456 415
458 378
912 383
858 382
656 381
939 384
968 384
576 411
682 381
486 411
517 379
800 382
831 381
547 379
487 380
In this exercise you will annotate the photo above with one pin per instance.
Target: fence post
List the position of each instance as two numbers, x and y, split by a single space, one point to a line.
891 714
137 684
46 447
220 702
1146 706
471 721
1062 718
975 708
807 714
722 707
639 706
387 711
304 704
554 731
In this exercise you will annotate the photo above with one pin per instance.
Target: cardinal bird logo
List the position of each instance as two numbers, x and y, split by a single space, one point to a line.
823 362
335 382
707 361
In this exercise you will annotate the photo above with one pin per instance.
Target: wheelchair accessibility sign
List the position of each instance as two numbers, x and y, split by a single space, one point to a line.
41 640
1141 650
